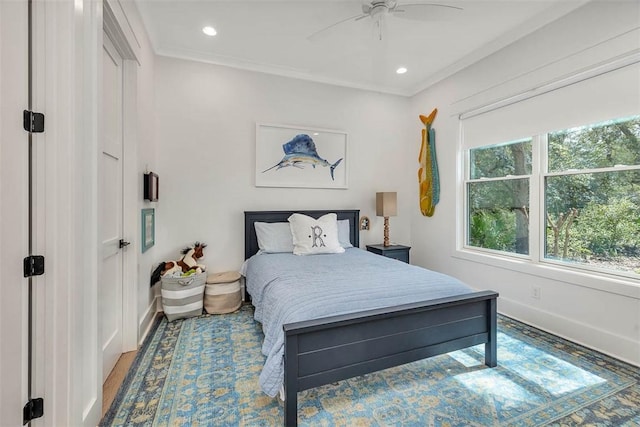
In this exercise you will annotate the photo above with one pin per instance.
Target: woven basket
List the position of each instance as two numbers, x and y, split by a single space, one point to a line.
222 293
182 297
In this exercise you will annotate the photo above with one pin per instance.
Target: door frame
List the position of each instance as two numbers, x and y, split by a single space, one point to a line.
14 212
115 25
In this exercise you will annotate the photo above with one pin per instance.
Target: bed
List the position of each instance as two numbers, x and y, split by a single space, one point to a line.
326 349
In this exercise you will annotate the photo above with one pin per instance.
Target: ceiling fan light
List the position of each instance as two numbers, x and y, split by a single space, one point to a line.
401 70
210 31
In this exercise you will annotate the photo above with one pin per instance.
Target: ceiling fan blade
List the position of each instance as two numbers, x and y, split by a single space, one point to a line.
426 11
315 35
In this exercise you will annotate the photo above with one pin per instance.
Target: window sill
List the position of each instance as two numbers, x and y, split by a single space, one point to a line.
610 283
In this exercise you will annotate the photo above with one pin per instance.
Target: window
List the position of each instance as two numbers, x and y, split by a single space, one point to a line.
498 197
592 195
589 178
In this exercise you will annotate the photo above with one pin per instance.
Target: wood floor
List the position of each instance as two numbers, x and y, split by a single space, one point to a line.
115 378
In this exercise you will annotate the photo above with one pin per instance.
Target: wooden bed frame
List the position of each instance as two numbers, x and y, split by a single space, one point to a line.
330 349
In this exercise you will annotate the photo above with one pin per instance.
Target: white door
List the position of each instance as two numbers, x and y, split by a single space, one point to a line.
110 207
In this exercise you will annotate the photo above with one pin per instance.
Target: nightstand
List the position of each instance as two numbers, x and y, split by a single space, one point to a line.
399 252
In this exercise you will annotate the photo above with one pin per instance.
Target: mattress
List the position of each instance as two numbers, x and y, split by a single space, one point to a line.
286 288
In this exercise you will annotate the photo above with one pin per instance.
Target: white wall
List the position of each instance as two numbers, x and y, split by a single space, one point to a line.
206 117
571 305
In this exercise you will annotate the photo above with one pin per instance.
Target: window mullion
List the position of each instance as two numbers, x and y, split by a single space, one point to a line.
464 174
500 178
542 152
534 201
621 168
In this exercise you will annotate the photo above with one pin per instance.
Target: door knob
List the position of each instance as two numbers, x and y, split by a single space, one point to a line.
123 243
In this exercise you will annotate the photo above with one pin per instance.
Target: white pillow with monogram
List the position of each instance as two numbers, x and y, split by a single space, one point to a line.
315 236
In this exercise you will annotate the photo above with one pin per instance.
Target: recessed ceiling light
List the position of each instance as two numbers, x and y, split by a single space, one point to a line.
316 134
401 70
210 31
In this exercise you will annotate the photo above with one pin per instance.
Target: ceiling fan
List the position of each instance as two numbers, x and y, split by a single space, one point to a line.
378 10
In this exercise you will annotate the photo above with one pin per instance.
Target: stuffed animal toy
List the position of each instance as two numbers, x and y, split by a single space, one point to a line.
187 264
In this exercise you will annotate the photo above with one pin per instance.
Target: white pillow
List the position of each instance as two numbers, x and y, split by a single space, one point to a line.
315 236
274 237
343 233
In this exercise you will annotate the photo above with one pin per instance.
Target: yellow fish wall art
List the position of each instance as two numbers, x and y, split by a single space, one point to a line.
428 179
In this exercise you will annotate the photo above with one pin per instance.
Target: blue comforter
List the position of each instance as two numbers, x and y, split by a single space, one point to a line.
286 288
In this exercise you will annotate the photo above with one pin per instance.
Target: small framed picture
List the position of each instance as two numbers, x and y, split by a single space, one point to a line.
148 229
365 223
151 182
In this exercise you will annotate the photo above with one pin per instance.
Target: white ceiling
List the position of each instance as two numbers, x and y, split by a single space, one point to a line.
272 37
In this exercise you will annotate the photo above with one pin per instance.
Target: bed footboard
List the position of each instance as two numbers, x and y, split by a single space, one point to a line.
330 349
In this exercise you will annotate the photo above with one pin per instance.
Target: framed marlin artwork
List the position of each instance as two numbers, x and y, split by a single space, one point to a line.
292 156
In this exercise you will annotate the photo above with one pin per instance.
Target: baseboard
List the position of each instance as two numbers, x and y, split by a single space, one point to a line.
147 320
617 346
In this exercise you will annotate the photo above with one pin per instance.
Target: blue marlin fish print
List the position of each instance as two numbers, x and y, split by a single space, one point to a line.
302 149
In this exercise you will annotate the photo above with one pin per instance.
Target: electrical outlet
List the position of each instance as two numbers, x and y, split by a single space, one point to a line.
535 292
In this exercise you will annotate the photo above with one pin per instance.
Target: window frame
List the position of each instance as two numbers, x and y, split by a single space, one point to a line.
467 180
535 262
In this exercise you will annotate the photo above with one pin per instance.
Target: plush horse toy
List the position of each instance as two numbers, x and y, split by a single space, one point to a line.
188 262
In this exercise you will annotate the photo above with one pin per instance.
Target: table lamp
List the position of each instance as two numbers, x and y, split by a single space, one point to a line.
386 206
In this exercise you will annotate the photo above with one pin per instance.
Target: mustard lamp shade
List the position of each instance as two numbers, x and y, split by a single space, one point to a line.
387 204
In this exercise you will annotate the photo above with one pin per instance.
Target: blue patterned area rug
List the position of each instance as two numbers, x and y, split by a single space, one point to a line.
204 372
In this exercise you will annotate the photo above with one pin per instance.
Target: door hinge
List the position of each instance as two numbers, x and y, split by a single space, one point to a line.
33 265
32 410
33 122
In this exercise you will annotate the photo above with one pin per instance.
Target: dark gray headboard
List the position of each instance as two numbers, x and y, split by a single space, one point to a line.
251 241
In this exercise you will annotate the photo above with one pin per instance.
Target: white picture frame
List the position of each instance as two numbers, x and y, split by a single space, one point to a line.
274 168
